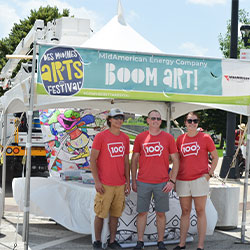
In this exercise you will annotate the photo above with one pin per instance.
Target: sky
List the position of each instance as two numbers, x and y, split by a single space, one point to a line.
182 27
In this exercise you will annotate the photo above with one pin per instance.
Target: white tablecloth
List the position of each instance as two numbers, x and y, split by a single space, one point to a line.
226 201
71 204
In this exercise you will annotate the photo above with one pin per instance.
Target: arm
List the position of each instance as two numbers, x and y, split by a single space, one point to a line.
173 174
175 168
215 159
134 164
127 175
94 169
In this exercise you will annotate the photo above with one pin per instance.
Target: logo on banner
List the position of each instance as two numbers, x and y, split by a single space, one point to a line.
62 71
116 149
237 78
152 149
191 148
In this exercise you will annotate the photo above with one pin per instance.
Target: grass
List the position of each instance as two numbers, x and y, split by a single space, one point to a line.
220 151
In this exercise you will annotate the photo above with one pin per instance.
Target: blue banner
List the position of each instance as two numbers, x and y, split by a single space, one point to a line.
68 71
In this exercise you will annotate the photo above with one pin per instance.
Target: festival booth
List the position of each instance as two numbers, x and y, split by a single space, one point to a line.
91 79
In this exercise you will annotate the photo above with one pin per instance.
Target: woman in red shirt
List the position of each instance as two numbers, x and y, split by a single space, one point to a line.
193 177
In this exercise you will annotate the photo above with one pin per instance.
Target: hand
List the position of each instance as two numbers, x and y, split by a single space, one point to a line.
127 189
168 187
134 186
99 188
207 176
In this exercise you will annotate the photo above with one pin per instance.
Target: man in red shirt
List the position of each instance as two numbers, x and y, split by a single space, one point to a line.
109 162
152 150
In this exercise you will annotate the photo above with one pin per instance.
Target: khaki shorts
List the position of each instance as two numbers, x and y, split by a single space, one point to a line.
195 188
111 202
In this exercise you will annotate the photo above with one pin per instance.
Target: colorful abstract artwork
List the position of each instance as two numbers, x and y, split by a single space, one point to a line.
68 135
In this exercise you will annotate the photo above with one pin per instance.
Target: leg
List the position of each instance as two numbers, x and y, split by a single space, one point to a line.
161 224
141 224
144 194
115 212
98 228
161 200
186 205
200 207
113 221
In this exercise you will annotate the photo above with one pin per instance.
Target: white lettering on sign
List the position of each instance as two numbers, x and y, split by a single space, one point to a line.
152 149
124 75
191 148
116 149
176 78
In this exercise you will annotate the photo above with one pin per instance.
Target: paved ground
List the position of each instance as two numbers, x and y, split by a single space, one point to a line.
46 234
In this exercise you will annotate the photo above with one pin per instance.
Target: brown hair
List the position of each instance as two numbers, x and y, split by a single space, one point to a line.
192 113
108 121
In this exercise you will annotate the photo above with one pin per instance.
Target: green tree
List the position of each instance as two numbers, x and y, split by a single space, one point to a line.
130 120
214 120
140 119
21 29
224 40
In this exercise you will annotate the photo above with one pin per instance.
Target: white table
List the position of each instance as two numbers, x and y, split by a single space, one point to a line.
71 205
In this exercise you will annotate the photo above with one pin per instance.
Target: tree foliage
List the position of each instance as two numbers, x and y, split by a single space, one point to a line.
21 29
224 40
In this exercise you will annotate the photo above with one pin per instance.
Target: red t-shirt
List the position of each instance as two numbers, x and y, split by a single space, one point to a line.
154 156
111 158
238 136
193 153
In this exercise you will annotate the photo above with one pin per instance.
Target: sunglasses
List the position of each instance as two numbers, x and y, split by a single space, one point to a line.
195 121
118 117
155 118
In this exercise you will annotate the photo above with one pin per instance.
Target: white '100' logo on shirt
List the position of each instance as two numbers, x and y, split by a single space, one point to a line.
116 149
152 149
191 148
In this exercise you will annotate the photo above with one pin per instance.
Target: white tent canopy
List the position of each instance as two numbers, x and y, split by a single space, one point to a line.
118 35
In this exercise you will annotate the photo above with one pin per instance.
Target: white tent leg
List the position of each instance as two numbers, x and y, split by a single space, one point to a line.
4 161
168 116
243 222
28 162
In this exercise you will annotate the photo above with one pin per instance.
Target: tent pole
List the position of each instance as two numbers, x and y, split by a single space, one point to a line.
4 160
168 116
231 117
243 222
28 146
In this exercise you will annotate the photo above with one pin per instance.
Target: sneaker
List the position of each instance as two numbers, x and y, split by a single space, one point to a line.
114 245
161 245
97 245
139 245
178 248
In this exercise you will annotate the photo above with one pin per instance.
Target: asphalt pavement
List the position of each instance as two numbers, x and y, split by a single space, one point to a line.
46 234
